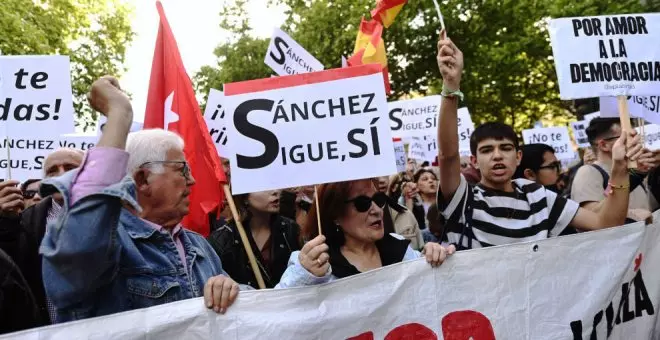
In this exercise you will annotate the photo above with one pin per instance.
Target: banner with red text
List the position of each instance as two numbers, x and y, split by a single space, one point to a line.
584 286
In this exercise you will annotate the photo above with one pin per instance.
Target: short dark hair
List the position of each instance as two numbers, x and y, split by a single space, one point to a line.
27 184
532 158
494 130
422 171
599 127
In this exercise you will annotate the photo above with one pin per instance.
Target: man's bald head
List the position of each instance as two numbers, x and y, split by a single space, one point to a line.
61 161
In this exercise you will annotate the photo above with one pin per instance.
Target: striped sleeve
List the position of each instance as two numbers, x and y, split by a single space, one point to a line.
562 212
454 210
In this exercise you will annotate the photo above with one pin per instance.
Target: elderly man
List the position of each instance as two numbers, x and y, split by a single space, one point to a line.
119 245
21 231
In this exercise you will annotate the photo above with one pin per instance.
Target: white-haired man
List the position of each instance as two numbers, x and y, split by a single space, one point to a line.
119 245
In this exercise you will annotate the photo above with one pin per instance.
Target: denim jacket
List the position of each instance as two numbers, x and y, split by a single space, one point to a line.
99 258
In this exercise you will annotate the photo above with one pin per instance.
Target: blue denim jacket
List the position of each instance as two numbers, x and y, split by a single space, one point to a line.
99 258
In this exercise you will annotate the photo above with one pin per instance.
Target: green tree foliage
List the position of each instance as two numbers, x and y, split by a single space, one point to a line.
509 71
94 33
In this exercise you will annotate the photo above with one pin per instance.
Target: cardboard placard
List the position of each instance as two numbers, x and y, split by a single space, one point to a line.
580 134
415 117
216 119
286 57
557 137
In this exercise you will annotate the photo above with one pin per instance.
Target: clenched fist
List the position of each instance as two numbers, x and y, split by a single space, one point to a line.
107 98
450 62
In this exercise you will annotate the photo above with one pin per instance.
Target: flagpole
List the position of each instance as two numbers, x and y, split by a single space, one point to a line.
244 238
437 9
8 157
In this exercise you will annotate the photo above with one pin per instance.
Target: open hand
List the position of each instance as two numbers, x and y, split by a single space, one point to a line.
220 292
633 151
450 62
314 256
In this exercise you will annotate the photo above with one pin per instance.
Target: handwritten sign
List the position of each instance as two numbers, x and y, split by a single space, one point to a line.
286 57
400 155
557 137
216 119
612 55
323 127
580 133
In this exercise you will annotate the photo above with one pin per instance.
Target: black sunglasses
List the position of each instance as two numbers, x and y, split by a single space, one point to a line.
185 170
29 194
552 166
363 203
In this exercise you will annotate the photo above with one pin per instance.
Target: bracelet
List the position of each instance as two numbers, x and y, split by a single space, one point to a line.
611 187
447 93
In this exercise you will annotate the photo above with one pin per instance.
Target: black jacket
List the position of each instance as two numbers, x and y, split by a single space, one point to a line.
20 238
284 240
392 250
18 310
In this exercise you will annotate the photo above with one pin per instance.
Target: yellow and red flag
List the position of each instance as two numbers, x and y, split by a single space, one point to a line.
387 10
370 48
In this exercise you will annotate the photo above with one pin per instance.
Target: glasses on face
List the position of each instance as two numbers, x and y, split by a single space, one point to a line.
29 194
185 169
609 139
363 203
556 166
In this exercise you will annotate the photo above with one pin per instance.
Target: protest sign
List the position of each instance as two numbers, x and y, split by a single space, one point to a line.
328 126
415 117
596 285
614 55
645 107
400 155
216 122
423 148
286 57
557 137
590 116
100 125
580 134
429 148
651 136
35 94
29 152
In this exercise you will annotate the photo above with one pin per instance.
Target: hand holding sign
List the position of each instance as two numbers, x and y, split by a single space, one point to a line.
635 150
450 62
11 198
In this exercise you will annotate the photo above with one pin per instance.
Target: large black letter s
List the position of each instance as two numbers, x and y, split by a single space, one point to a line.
278 43
267 138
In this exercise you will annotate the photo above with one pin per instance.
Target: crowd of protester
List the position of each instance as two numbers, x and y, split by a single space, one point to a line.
102 233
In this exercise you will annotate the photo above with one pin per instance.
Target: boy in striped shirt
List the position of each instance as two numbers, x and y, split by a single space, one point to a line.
499 210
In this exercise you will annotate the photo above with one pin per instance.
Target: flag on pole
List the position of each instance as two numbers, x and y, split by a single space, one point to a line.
171 105
370 48
387 10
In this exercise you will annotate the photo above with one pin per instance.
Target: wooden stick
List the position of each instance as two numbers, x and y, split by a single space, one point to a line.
8 158
244 238
442 20
624 116
318 209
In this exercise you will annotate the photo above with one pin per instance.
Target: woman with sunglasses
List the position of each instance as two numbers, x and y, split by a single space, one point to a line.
272 238
354 239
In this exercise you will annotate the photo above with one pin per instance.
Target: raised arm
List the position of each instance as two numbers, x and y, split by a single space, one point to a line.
450 62
614 208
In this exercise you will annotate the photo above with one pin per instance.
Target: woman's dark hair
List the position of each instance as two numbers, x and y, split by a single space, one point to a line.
241 202
422 171
332 197
494 130
27 183
532 158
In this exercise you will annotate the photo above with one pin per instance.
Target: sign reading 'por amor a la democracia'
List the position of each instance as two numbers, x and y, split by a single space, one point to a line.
607 55
322 127
591 286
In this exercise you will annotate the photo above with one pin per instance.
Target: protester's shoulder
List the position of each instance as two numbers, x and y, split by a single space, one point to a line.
528 186
223 237
586 172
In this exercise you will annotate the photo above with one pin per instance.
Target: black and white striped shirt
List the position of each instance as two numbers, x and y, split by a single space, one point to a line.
494 218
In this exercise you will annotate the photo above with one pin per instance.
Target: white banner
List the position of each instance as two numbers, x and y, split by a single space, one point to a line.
614 55
557 137
216 121
597 285
35 97
286 57
415 117
647 108
28 154
580 134
400 155
324 127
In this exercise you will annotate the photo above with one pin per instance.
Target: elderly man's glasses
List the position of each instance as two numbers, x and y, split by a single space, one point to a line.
185 168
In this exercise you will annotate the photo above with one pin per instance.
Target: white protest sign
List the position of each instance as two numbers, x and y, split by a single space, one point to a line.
651 136
286 57
614 55
29 152
415 117
645 107
595 285
580 133
100 125
557 137
590 116
465 129
216 121
423 148
328 126
35 94
400 155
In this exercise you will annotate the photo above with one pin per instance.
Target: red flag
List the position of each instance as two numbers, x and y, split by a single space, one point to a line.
172 105
387 10
370 48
